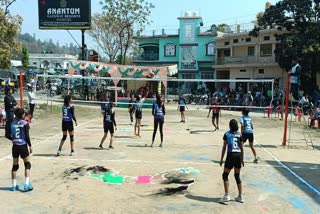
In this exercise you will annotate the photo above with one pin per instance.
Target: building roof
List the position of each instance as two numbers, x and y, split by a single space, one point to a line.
156 36
232 35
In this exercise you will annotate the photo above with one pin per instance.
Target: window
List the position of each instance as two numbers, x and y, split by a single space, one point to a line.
189 32
261 71
207 75
243 70
226 43
248 39
227 52
169 50
189 57
210 49
250 51
266 50
266 38
235 41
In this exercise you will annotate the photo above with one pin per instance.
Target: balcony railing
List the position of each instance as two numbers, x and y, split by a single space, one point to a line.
148 57
246 60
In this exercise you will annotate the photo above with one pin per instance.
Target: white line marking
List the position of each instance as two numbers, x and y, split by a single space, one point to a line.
292 172
9 155
62 158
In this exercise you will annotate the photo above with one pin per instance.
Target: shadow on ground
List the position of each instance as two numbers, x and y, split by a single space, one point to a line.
309 172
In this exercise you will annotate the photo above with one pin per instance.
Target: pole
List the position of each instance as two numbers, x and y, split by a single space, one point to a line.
21 89
83 47
284 143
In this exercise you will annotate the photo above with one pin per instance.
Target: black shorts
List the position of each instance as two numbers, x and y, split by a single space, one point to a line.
246 136
21 151
215 115
233 160
138 114
182 108
108 127
131 111
67 126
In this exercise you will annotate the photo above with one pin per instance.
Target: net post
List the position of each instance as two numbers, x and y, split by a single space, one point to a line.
284 143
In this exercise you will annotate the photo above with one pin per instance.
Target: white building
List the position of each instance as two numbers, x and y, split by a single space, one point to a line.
51 61
240 56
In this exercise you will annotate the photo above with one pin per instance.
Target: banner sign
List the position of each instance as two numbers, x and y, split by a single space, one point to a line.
64 14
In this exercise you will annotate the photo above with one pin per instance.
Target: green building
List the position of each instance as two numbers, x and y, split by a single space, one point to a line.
192 48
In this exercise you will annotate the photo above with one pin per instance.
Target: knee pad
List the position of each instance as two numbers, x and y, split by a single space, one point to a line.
64 137
27 165
15 168
237 177
71 138
225 176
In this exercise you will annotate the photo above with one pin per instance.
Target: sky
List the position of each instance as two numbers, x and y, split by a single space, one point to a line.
163 16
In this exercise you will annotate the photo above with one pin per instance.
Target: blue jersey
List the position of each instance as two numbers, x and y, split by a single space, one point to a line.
105 104
19 129
68 113
109 117
158 111
233 140
182 102
246 121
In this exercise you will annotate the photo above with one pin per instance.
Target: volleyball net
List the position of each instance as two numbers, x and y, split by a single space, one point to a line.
232 94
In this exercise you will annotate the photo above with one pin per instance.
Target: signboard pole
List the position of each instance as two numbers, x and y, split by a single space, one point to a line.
83 45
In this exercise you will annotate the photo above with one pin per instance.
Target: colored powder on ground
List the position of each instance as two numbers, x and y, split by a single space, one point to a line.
111 179
95 176
144 179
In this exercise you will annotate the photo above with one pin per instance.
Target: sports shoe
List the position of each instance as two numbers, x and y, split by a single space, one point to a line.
58 153
27 188
14 188
225 198
73 153
100 146
111 147
239 199
131 123
255 160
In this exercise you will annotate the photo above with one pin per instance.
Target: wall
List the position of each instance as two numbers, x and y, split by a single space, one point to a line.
163 42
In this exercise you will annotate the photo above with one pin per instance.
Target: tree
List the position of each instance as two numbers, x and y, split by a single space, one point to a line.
104 31
25 57
131 13
222 27
9 30
299 24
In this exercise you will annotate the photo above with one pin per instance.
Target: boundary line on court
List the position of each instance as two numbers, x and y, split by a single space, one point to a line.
142 161
38 143
291 171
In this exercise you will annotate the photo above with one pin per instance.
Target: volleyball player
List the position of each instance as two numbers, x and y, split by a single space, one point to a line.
138 107
215 113
67 124
109 125
233 144
247 131
131 108
182 107
21 147
158 112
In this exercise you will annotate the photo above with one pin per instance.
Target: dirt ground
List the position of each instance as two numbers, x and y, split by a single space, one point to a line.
148 180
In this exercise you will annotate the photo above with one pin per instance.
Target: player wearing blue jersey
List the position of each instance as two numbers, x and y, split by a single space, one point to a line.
138 107
247 131
19 134
158 112
131 108
68 117
105 103
232 142
109 125
182 105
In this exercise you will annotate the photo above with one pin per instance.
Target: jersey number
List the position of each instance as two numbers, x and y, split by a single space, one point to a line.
235 143
17 134
65 112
